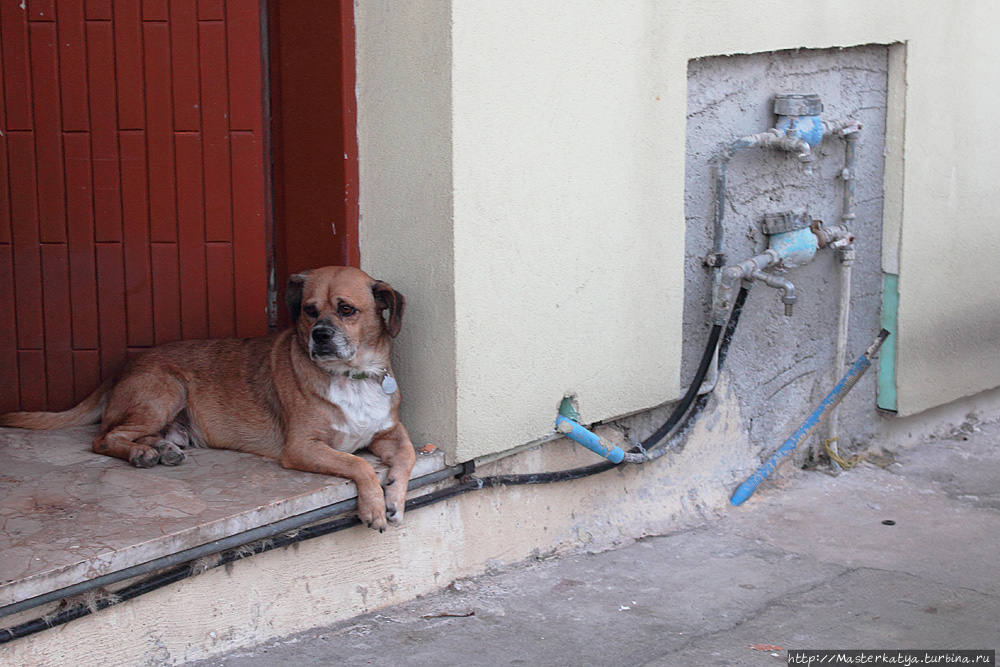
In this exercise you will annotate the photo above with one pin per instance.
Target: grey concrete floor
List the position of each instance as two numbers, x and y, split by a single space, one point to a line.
810 562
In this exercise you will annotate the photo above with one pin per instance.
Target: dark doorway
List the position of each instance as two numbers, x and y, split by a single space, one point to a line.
313 110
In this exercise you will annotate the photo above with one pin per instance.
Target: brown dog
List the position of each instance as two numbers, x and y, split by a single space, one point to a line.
309 396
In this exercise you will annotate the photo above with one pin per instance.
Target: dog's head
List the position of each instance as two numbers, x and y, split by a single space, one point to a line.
339 310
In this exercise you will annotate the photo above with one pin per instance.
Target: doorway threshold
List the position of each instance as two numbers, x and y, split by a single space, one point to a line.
68 515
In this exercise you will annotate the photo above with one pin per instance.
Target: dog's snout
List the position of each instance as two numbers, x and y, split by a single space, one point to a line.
328 340
322 334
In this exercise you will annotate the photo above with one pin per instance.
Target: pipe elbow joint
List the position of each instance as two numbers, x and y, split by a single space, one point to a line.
848 129
729 282
785 286
732 275
802 150
831 236
788 297
845 252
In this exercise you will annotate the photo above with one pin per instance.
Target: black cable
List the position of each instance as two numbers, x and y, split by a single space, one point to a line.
702 401
734 319
468 482
692 392
706 361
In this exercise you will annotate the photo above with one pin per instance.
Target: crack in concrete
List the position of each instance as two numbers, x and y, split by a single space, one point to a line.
784 598
769 604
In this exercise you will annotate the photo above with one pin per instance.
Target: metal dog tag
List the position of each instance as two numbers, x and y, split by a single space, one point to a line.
389 385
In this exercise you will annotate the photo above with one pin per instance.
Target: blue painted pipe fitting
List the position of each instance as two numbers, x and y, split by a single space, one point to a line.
589 439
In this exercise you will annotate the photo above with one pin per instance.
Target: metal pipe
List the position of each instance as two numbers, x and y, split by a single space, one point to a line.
773 138
747 488
849 177
843 327
845 254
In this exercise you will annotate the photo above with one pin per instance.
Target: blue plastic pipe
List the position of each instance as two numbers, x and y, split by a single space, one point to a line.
589 439
846 383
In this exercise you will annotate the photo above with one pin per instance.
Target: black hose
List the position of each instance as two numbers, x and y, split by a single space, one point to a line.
706 361
734 319
692 392
699 405
467 483
220 545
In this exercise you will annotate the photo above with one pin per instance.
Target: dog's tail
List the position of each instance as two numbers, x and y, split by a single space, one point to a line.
87 412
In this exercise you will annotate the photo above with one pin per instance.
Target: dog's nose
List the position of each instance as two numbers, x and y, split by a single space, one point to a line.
322 335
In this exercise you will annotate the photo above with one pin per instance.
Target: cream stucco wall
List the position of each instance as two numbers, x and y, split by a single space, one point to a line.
404 140
522 182
568 270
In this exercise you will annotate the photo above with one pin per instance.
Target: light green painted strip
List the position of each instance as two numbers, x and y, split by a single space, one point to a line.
887 357
567 409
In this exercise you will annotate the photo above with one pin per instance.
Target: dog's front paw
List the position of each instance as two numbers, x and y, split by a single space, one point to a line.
395 501
371 511
394 513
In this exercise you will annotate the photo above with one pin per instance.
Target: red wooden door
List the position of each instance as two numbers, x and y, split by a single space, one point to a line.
133 207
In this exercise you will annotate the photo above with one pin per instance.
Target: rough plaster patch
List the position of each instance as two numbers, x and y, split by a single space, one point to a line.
781 367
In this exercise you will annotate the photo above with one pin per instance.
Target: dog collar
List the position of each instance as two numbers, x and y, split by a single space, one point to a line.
389 384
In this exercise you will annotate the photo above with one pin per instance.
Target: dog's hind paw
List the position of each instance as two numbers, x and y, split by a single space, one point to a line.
144 457
170 454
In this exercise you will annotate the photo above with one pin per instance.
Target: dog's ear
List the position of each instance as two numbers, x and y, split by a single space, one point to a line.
293 293
389 299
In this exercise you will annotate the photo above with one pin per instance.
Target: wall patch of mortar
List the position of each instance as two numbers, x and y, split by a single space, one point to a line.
789 358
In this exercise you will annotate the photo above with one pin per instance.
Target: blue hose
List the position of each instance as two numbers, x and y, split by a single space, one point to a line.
846 383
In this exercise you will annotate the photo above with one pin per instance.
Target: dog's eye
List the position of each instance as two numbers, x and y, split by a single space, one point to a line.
346 309
310 310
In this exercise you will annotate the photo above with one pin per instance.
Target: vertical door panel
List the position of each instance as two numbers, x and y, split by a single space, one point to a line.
132 186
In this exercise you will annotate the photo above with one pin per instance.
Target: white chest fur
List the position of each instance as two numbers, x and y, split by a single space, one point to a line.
366 409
